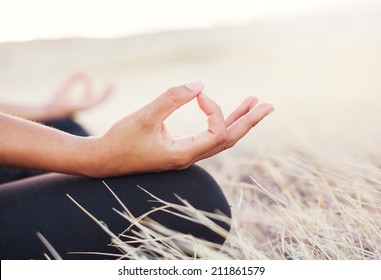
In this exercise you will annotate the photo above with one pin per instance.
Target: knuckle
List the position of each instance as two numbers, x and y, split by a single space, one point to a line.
229 143
173 95
144 120
221 137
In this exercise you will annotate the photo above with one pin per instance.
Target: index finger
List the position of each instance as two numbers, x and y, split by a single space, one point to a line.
216 132
175 97
240 128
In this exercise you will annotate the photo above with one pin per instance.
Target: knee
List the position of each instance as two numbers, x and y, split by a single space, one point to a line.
207 193
194 184
199 189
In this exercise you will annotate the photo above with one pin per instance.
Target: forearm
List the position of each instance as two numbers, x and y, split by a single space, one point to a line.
25 144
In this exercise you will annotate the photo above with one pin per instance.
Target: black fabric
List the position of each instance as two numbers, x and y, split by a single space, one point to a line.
40 204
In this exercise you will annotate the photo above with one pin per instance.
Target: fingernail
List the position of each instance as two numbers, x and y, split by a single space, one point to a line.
195 85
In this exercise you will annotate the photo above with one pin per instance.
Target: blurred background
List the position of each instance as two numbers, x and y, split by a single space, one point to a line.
318 62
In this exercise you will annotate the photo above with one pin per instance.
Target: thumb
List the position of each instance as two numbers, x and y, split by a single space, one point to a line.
172 99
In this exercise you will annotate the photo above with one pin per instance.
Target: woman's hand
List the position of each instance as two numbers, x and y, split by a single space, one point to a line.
140 142
64 104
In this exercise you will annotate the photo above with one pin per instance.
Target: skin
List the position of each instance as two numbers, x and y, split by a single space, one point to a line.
61 104
140 142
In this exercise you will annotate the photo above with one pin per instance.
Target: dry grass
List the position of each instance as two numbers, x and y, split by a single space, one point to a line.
300 207
289 207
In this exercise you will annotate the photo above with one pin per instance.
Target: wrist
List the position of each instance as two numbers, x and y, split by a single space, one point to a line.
88 162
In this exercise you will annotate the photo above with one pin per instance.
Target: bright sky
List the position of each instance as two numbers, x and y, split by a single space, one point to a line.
22 20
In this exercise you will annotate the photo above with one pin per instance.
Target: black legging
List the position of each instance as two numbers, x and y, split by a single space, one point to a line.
39 203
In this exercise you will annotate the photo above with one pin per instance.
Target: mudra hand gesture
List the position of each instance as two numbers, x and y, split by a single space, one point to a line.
141 142
138 143
63 104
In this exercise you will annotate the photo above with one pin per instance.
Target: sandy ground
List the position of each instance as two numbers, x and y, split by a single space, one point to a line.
322 73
